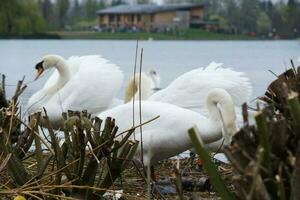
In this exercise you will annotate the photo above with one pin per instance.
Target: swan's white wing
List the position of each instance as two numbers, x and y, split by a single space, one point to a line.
166 136
163 137
190 89
92 86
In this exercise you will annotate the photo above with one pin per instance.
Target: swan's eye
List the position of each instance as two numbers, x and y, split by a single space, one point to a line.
153 72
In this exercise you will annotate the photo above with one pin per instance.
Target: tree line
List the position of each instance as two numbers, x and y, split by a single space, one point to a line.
258 17
22 17
263 18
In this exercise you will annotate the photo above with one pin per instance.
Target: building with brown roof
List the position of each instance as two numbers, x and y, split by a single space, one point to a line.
152 16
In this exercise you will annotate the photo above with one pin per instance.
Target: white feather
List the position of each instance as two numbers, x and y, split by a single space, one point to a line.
191 89
93 84
167 136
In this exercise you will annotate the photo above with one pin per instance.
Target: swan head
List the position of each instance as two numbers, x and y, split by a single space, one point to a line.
221 107
133 87
152 72
46 63
155 79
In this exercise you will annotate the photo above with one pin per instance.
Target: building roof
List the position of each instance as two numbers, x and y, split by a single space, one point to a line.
146 8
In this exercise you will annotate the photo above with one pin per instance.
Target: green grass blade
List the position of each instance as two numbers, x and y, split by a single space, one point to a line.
263 132
294 106
209 166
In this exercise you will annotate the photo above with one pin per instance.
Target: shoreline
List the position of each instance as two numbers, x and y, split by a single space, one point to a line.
184 35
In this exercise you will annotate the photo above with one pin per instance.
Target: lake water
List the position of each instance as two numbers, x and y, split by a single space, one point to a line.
168 58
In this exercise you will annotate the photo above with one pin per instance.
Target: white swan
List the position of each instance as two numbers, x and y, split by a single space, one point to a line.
132 90
155 79
150 83
79 83
167 136
191 89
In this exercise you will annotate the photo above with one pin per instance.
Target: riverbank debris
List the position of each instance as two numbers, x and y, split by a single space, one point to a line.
84 165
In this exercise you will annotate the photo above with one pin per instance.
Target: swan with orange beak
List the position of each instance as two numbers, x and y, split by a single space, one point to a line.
78 83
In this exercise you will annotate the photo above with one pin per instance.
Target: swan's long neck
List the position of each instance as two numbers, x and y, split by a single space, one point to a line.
63 78
132 90
221 110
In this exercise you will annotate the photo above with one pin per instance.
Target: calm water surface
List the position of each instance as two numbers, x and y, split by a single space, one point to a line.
169 58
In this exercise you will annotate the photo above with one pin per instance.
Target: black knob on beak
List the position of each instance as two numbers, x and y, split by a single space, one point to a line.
39 69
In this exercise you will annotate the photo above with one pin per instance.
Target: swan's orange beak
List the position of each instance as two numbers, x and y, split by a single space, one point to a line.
39 70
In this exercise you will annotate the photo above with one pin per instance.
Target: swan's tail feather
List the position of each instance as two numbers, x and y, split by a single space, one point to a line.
213 66
241 89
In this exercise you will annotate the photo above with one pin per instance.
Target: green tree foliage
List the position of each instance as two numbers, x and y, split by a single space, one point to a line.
76 12
290 14
234 16
249 13
19 17
143 1
255 16
263 24
48 12
116 2
91 6
62 7
230 13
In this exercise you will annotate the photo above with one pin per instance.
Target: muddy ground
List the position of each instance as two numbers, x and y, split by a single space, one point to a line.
195 182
